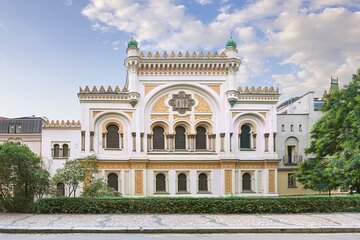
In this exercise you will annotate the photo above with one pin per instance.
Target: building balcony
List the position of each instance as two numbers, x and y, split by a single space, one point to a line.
293 159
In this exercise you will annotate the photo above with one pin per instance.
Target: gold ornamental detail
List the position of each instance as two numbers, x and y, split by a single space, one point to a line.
176 116
271 181
207 117
139 188
159 116
228 181
160 105
202 105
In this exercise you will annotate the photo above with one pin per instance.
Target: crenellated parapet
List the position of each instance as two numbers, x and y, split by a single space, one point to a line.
181 55
258 90
62 124
109 94
253 95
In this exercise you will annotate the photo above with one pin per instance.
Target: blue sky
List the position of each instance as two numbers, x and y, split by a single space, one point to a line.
48 48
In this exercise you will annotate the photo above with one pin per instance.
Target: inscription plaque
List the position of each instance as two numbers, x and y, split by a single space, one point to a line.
181 102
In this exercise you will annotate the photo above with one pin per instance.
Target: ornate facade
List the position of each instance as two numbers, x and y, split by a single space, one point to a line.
179 126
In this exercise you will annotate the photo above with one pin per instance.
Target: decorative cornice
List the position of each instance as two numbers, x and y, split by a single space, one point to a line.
258 90
180 55
253 95
109 94
62 124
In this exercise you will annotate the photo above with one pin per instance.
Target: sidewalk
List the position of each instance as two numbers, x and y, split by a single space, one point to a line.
245 223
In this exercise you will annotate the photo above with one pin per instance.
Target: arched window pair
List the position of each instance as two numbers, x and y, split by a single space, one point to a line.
113 139
247 139
61 152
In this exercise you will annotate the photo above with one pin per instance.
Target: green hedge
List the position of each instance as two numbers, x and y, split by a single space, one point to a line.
228 205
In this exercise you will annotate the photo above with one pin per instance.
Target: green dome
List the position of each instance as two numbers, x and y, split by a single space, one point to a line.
231 43
132 43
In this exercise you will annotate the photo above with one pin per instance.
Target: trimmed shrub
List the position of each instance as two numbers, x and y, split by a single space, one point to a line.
226 205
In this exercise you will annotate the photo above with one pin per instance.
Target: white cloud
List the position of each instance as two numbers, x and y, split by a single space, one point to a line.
313 39
203 2
68 2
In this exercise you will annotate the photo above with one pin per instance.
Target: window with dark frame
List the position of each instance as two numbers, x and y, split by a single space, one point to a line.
112 136
203 182
158 138
113 181
182 182
200 138
245 137
56 153
60 188
180 138
18 127
12 128
291 180
246 182
160 182
65 148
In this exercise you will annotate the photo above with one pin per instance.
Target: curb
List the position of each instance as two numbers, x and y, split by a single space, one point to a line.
149 230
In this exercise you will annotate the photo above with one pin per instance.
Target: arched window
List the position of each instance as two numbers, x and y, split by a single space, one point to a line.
245 136
180 142
60 187
246 182
200 138
56 150
112 181
160 182
158 138
203 182
65 148
182 182
112 136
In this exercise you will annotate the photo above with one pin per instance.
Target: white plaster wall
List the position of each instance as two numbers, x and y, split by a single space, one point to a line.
50 135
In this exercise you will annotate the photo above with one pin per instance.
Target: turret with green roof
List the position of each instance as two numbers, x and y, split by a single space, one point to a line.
132 43
230 43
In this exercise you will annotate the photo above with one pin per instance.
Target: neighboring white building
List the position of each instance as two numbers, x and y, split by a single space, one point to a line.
179 126
295 119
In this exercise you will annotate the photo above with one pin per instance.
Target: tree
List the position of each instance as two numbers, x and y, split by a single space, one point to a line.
76 171
98 188
21 175
335 140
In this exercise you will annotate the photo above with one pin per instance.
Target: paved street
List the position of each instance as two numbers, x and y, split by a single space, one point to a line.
111 223
281 236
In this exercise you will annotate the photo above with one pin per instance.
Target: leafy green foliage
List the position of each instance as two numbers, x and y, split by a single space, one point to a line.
74 172
21 176
335 142
230 205
98 188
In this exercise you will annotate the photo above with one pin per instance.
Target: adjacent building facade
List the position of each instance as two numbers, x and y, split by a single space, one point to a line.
25 130
295 118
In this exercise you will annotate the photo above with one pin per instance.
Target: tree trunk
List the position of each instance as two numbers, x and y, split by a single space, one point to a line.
329 192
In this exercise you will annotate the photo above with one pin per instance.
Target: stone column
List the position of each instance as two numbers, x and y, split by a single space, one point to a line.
141 142
222 143
134 141
254 141
91 141
266 142
149 148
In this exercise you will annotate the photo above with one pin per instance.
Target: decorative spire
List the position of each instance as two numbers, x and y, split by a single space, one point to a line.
132 43
230 43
